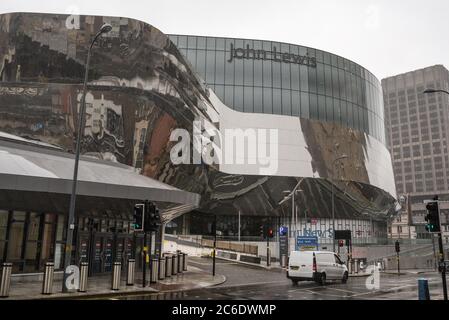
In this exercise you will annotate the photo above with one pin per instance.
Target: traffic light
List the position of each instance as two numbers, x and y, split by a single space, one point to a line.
138 216
270 233
433 217
397 246
152 217
341 243
262 231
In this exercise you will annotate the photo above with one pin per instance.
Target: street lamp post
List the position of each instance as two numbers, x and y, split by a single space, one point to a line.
344 156
105 28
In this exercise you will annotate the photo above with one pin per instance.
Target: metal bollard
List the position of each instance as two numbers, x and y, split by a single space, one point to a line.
131 270
180 263
174 267
423 289
184 260
5 279
47 285
356 266
283 260
154 269
116 270
83 276
168 265
162 268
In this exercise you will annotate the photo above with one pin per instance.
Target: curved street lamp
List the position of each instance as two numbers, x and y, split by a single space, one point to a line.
105 28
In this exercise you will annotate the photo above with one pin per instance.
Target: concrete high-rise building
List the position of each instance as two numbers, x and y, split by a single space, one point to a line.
417 126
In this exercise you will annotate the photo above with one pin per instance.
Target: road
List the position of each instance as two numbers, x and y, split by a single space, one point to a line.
254 283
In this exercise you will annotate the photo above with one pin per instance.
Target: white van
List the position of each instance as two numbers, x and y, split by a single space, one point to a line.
316 266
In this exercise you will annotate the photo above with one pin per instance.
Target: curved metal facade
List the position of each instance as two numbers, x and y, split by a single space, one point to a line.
142 88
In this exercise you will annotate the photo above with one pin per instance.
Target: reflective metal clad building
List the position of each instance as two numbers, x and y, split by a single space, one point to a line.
143 86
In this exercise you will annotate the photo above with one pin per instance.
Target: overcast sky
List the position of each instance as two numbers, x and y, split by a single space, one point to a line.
387 37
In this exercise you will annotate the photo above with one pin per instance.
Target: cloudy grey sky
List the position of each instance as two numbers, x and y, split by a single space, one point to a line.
387 37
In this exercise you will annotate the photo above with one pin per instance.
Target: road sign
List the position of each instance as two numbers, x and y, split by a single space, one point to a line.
306 243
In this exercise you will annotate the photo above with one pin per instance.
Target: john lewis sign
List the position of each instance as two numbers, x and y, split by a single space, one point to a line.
274 55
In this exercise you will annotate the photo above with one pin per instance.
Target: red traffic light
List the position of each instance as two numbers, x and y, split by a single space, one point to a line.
341 243
270 233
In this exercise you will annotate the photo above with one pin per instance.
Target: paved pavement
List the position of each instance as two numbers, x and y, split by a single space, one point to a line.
100 287
249 282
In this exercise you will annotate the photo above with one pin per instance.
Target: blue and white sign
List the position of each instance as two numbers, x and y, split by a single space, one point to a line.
306 243
283 230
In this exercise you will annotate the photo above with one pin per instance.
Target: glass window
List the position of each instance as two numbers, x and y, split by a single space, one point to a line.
341 80
229 72
60 232
191 42
267 100
210 43
285 72
267 74
313 107
210 67
312 80
15 240
248 99
335 83
304 78
295 79
220 44
286 102
296 103
238 70
238 98
33 226
329 109
201 43
322 108
191 57
305 105
337 111
276 71
182 42
277 101
258 73
229 96
219 67
248 72
328 80
344 113
258 102
201 63
3 225
320 79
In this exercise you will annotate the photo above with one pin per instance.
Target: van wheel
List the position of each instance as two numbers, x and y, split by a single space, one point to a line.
345 278
295 282
323 279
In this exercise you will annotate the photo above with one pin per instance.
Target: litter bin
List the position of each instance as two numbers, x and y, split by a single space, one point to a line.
116 270
83 276
162 268
174 267
47 284
5 279
180 262
168 265
130 273
154 269
184 262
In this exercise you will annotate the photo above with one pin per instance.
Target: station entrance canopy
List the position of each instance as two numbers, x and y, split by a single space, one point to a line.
35 176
